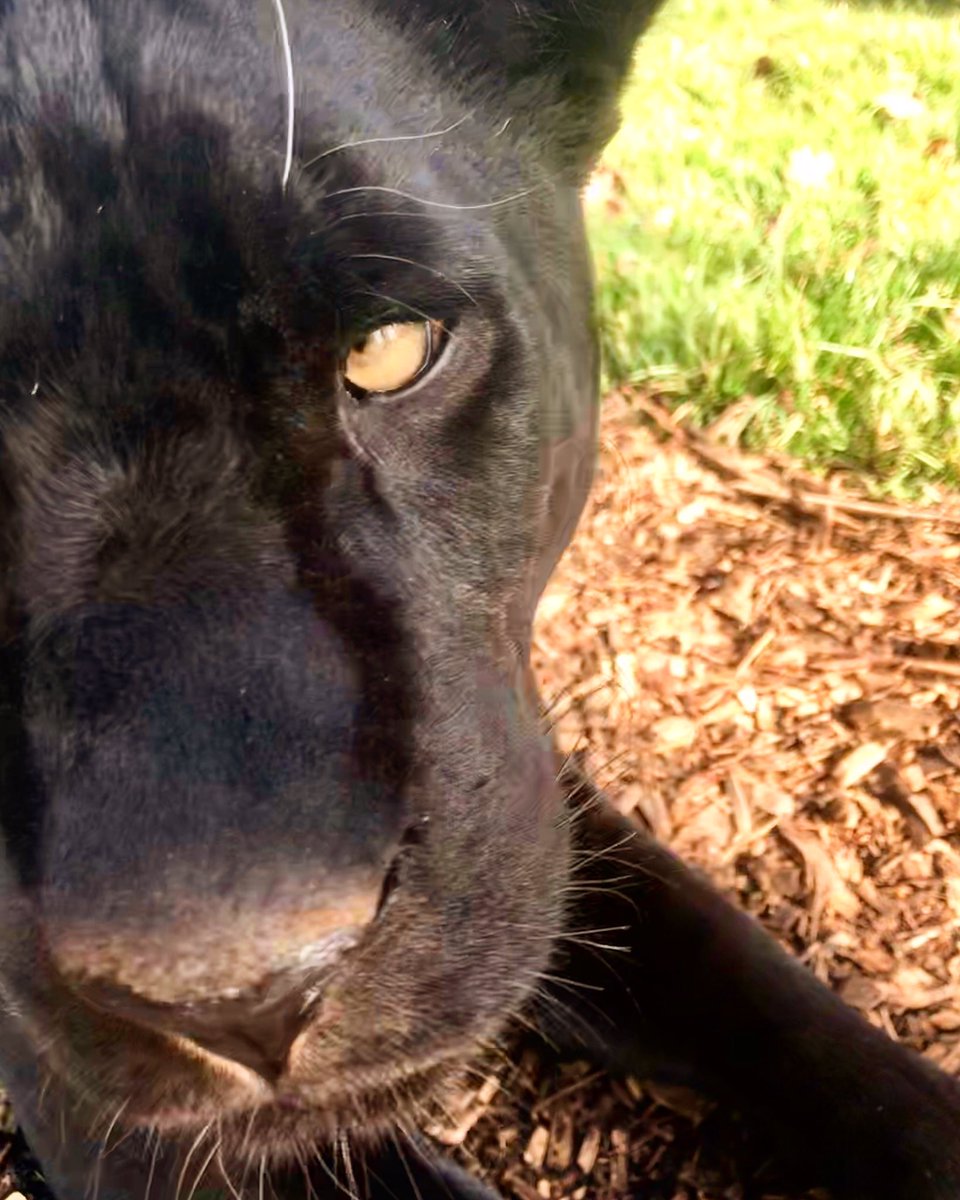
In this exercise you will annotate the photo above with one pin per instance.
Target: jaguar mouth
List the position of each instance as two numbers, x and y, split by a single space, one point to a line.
296 1119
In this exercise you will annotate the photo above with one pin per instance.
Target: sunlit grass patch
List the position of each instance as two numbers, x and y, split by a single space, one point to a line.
779 237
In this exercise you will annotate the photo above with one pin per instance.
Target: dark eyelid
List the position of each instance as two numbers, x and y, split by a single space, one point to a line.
353 332
371 298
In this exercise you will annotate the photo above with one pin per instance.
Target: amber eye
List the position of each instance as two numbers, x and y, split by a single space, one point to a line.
392 357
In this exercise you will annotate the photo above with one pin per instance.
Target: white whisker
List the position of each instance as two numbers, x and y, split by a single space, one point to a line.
197 1143
343 1142
409 262
231 1188
291 104
376 141
153 1167
203 1170
389 191
424 316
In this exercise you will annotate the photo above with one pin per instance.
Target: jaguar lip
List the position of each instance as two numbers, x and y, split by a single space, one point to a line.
289 1111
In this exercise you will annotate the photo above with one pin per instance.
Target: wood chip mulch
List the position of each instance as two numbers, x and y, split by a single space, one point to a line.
765 670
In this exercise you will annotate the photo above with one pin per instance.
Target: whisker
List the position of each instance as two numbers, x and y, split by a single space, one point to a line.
395 1137
573 985
334 1178
245 1144
575 699
231 1186
377 141
148 1187
638 871
577 809
124 1137
222 1165
203 1170
547 707
305 1169
99 1116
44 1088
374 214
97 1169
105 1140
547 1001
389 191
591 945
418 312
573 1017
197 1143
570 935
606 887
588 856
291 102
343 1143
409 262
522 1021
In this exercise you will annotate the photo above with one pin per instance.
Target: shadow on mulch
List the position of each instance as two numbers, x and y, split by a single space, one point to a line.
572 1131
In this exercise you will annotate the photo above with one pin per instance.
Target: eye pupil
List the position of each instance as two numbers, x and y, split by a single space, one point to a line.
392 357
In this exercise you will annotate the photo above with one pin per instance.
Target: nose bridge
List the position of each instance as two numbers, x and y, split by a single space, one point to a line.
207 811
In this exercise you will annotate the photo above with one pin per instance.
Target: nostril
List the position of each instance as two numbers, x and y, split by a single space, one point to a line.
255 1034
256 1028
245 997
413 836
390 882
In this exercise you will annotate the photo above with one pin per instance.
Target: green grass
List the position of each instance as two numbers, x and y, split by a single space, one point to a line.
822 319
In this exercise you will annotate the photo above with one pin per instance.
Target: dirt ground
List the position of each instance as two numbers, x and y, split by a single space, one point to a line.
766 672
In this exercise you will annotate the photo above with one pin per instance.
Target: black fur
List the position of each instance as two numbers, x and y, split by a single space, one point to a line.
283 842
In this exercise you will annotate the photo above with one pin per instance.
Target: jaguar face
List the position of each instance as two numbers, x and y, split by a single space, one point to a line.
297 412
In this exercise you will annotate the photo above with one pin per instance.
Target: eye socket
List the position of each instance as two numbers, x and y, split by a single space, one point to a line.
393 357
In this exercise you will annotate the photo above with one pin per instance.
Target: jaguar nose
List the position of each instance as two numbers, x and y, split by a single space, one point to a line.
256 1029
203 985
